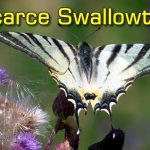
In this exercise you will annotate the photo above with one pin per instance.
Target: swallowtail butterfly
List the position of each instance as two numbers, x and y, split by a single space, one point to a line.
86 75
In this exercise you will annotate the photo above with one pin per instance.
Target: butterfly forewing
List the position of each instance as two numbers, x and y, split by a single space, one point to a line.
124 58
55 54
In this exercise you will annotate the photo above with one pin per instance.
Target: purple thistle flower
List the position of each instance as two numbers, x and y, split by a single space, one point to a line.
26 141
4 77
17 147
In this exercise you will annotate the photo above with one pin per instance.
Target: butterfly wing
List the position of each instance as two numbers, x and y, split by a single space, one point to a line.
55 54
121 65
60 58
116 66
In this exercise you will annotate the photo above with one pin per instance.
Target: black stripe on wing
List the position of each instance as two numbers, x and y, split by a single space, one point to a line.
98 52
75 54
10 38
139 56
145 71
61 49
129 46
72 49
35 40
97 55
25 37
114 54
72 74
46 38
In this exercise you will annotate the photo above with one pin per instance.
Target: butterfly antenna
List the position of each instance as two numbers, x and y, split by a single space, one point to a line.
76 37
89 35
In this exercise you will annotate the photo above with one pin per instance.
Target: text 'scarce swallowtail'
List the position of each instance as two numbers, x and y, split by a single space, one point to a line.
96 75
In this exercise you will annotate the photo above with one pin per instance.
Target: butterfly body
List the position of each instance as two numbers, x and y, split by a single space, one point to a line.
87 75
85 54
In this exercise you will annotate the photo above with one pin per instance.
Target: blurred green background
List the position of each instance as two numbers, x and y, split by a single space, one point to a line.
132 113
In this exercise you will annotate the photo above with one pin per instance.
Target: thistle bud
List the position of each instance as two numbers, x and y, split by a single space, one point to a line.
26 141
62 107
